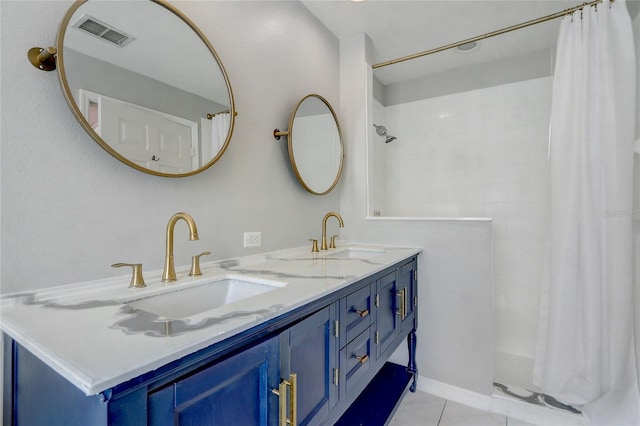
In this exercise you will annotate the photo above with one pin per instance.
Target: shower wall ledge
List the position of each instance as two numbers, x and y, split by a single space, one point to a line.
430 219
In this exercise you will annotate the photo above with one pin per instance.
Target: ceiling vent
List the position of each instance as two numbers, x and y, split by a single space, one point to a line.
103 31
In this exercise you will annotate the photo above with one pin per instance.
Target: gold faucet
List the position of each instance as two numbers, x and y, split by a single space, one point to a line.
169 273
324 227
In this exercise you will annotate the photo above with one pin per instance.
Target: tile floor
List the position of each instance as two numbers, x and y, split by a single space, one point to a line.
421 409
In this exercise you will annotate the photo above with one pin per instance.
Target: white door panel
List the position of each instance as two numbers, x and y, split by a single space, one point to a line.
149 138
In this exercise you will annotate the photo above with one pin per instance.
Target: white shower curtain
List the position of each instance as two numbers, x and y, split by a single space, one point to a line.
586 354
214 135
220 131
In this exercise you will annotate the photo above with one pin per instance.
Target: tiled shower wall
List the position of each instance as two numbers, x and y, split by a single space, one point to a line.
481 153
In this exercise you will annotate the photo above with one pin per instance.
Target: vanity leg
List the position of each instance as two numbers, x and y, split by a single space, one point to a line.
412 367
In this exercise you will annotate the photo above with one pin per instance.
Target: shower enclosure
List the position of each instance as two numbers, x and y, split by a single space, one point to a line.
471 143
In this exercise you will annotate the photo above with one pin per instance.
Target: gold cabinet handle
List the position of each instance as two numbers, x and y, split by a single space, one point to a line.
195 264
403 303
287 416
362 358
293 399
282 402
362 313
137 281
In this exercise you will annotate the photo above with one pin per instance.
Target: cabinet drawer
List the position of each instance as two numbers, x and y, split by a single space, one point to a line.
356 361
356 314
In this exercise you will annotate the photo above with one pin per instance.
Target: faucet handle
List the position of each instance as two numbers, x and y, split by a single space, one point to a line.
195 264
332 244
314 246
136 278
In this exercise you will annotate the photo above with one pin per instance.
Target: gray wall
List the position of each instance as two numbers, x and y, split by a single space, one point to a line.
495 73
69 210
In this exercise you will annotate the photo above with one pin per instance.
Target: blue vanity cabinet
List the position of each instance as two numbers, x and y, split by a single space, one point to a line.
308 352
323 363
234 391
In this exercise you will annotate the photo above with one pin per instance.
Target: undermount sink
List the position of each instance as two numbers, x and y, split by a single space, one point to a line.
188 301
354 253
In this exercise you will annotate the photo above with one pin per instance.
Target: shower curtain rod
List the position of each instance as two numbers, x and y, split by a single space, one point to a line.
210 116
488 35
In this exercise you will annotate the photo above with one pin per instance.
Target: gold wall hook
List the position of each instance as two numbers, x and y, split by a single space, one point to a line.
277 134
43 59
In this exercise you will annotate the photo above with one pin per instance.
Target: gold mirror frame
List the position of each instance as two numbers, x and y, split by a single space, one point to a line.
87 127
290 137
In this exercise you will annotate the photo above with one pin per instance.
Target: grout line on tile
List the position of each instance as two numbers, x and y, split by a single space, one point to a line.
442 412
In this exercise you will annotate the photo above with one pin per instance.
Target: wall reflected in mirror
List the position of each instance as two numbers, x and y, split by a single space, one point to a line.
146 85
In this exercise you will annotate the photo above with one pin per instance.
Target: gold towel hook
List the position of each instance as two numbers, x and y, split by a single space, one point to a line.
43 59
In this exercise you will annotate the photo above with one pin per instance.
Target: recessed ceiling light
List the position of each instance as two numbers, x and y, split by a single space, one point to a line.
467 47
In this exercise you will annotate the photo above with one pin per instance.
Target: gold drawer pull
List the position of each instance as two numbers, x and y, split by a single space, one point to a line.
362 313
362 359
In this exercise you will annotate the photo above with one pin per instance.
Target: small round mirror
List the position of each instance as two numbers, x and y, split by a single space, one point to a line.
315 144
146 84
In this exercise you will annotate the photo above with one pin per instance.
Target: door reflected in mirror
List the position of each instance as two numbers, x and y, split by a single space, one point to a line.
315 145
146 84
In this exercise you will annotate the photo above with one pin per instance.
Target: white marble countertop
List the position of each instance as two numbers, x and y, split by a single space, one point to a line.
90 335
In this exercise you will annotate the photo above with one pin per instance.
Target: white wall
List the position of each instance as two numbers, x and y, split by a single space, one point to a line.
69 210
455 331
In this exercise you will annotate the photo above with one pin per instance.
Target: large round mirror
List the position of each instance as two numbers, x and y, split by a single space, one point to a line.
315 145
146 84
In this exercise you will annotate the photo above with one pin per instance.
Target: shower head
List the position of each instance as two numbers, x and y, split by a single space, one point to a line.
382 131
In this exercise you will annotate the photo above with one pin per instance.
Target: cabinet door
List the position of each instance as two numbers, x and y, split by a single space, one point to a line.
309 351
387 318
236 391
407 283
